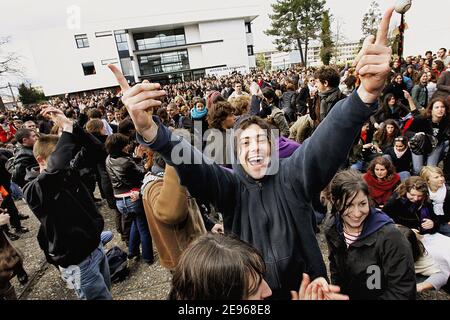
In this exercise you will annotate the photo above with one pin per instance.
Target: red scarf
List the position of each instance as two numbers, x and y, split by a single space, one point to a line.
364 136
380 191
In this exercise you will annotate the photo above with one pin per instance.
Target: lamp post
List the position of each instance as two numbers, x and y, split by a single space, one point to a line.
402 6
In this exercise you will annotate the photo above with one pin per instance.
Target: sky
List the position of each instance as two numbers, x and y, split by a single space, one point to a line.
428 22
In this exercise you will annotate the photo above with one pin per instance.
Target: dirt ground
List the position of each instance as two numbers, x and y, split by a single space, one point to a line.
144 282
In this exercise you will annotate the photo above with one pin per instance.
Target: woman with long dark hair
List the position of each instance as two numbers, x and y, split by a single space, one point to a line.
385 136
360 237
126 178
390 109
433 122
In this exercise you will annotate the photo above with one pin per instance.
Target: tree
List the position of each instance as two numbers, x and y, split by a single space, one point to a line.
371 20
295 23
261 62
327 44
9 61
29 95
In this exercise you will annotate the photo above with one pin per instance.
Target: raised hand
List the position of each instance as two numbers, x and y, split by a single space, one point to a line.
138 100
372 62
57 116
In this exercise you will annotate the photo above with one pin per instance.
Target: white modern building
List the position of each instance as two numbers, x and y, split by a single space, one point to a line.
177 41
344 52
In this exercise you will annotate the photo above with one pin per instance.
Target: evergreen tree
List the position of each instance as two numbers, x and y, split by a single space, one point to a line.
327 44
28 94
295 23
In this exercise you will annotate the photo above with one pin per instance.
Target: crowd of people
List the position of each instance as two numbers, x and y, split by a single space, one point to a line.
230 178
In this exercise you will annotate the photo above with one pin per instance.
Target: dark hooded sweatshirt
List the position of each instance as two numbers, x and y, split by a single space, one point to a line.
70 224
273 214
380 247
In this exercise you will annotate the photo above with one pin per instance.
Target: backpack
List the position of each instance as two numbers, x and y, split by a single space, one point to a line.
118 264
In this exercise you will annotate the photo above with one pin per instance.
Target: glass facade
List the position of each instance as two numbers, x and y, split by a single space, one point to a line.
163 62
121 40
159 39
82 41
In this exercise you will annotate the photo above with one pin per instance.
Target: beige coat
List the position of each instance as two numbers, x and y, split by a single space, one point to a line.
173 217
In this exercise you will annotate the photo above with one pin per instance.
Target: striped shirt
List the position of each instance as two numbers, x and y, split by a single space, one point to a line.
350 238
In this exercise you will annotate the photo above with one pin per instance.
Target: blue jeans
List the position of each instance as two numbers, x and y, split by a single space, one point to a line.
430 160
16 191
404 175
358 165
445 229
139 234
90 278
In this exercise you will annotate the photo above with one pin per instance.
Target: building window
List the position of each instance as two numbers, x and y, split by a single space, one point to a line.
121 40
250 51
248 27
88 68
163 62
82 41
109 61
103 34
159 39
127 68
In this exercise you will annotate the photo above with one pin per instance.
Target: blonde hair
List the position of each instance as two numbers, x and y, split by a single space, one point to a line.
45 145
240 104
94 126
427 171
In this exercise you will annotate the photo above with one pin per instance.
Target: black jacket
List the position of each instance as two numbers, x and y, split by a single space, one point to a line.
381 246
409 214
70 222
397 113
125 174
439 131
24 159
401 164
288 105
273 214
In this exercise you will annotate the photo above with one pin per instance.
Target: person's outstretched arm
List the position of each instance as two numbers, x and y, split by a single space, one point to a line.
205 180
315 163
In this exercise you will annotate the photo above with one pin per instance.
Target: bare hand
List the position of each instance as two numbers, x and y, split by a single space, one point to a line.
57 116
139 151
406 94
139 99
427 224
319 289
218 228
372 62
4 219
134 196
